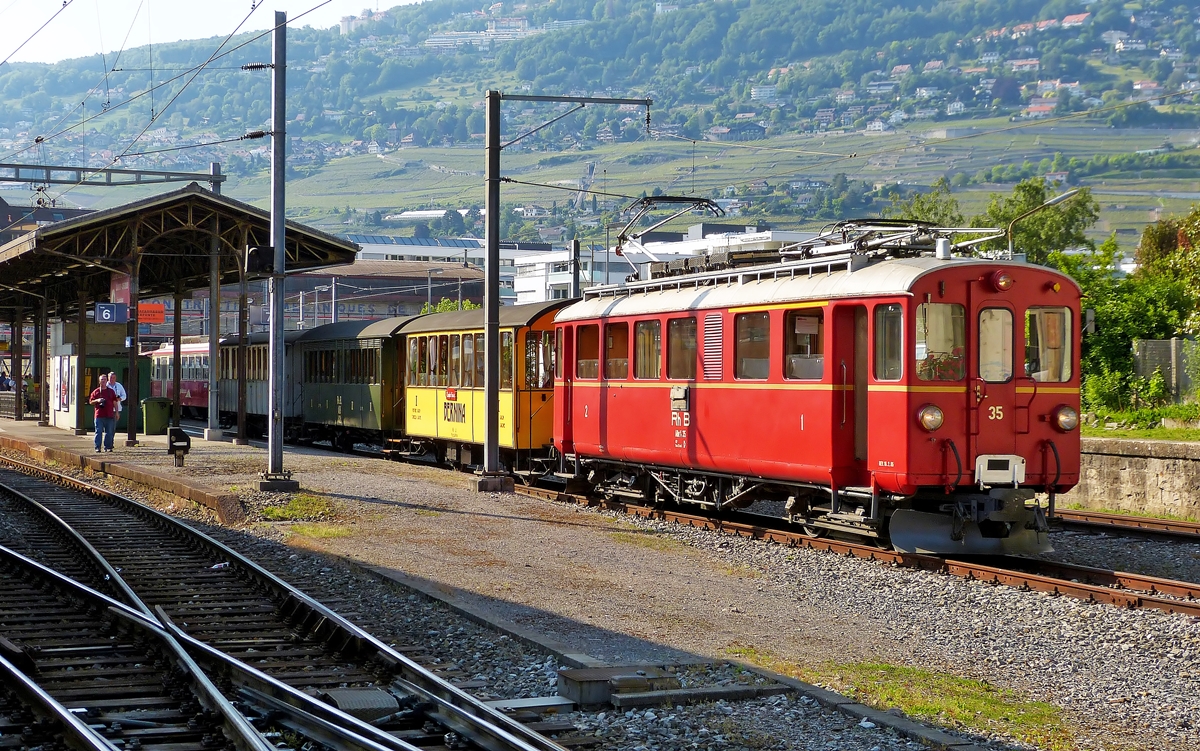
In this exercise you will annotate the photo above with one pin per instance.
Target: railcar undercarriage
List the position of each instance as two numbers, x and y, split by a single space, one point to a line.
996 521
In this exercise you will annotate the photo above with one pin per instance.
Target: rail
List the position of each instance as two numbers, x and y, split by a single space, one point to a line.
1097 521
1081 582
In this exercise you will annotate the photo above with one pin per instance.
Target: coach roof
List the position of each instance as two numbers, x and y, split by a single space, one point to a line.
894 277
365 329
460 320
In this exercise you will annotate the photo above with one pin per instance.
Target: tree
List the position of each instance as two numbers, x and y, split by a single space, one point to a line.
1054 228
446 305
937 206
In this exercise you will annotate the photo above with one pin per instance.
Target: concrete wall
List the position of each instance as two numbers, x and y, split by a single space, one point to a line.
1147 477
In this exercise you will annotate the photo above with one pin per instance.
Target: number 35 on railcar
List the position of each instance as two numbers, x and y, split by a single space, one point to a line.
921 400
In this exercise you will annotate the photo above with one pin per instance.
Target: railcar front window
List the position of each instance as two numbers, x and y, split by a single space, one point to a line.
941 341
752 349
587 352
804 345
1048 344
681 349
616 351
889 342
995 345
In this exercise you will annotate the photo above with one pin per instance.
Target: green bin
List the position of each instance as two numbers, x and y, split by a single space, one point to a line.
156 415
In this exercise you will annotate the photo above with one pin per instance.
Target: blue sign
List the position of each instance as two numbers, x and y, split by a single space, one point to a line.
110 312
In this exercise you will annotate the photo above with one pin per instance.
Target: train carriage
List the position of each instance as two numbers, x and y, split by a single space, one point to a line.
350 375
193 382
257 382
918 399
444 397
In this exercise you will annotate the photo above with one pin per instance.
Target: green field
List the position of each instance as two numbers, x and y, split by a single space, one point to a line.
917 154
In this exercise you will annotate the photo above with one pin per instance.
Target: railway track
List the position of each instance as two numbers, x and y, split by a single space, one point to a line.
1141 526
221 605
1081 582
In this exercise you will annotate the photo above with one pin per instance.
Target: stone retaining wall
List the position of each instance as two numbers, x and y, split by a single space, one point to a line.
1143 477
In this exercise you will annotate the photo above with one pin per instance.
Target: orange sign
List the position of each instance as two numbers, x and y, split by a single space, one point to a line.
152 312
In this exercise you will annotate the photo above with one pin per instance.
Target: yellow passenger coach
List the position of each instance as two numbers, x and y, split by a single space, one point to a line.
444 397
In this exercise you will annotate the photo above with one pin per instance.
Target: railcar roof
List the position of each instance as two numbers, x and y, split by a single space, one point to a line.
894 276
366 329
457 320
260 337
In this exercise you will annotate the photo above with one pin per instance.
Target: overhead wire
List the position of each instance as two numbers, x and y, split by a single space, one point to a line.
66 4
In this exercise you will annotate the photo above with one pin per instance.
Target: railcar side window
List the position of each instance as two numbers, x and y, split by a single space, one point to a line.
506 359
995 345
941 341
558 352
587 352
752 347
455 359
647 349
804 345
1048 344
889 342
681 348
546 373
433 356
422 361
616 351
468 363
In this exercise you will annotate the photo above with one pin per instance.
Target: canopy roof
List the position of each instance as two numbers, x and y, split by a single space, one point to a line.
166 238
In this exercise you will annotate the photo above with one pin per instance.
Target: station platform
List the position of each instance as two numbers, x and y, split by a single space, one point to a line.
148 463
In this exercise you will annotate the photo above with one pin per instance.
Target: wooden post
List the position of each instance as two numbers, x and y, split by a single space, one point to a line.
176 359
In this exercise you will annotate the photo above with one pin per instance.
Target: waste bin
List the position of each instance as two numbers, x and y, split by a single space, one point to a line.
156 415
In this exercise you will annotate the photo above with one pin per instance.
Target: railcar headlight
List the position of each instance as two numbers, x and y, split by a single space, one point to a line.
1066 418
931 417
1002 281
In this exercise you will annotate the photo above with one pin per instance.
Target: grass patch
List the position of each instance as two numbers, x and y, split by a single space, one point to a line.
303 506
427 512
319 530
940 698
1145 434
647 539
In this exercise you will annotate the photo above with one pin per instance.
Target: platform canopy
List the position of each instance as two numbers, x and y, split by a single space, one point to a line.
167 239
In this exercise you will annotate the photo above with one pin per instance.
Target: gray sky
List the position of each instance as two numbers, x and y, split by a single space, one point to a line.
86 27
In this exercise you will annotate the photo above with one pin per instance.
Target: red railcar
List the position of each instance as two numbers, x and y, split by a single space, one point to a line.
918 399
193 384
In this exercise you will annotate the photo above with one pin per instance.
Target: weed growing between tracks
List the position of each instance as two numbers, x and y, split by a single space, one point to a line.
319 530
940 698
647 539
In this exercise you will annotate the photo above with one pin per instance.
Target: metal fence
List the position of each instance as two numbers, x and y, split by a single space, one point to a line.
1178 360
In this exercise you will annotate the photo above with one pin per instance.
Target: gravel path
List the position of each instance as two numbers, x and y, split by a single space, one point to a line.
1124 679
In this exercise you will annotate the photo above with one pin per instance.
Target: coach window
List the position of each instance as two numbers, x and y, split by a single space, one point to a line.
587 352
995 345
480 361
506 360
681 349
804 345
468 361
422 361
647 350
752 349
533 346
432 362
889 342
1048 344
443 360
616 351
455 359
941 341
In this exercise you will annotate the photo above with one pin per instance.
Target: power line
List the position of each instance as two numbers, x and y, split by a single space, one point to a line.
65 5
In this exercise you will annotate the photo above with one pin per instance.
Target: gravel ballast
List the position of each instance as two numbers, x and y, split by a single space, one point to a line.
628 590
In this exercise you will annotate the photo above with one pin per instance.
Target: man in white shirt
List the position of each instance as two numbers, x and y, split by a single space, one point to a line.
116 386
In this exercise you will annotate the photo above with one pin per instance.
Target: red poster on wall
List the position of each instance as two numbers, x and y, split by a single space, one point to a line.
118 288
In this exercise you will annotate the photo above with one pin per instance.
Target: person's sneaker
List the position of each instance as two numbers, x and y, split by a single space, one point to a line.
97 451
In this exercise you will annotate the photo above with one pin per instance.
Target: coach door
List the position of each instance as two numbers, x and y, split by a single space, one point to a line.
849 408
991 394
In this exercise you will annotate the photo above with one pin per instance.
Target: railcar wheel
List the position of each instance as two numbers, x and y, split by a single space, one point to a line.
813 531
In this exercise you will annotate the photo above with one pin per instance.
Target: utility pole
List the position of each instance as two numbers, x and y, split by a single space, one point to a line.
492 478
213 431
575 268
276 478
333 311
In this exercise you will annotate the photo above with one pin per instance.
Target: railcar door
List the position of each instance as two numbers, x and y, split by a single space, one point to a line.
849 409
991 394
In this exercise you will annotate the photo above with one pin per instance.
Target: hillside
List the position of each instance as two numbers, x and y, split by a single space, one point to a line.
726 73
